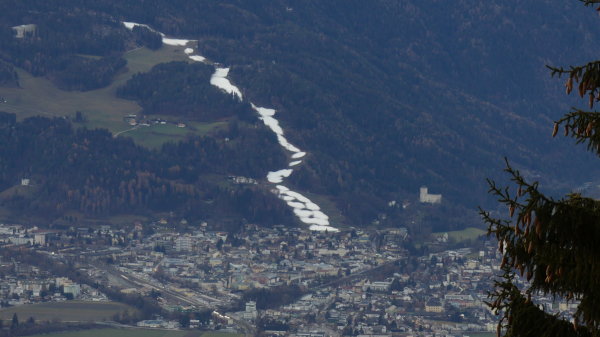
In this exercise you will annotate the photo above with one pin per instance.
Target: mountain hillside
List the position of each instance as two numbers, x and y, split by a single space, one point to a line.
386 95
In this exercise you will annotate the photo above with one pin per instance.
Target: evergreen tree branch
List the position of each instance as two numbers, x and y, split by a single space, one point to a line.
520 316
587 77
583 126
550 242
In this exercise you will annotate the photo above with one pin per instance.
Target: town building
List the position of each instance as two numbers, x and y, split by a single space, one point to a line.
250 313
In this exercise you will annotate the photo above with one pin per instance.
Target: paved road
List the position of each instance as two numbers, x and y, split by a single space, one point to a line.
121 132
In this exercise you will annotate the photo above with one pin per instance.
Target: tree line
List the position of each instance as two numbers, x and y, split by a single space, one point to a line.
91 172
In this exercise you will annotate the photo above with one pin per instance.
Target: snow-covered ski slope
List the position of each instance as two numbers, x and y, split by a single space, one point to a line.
307 211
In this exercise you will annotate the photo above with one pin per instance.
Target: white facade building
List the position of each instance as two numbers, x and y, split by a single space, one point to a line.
425 197
251 313
73 289
183 244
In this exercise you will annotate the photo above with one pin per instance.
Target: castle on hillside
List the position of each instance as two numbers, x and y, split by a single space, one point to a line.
25 30
425 197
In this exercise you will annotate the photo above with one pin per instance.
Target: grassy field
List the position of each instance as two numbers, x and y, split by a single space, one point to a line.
18 190
126 219
137 333
70 311
466 234
479 334
154 136
37 96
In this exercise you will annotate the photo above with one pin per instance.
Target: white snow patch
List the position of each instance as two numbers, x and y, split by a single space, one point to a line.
219 80
165 40
297 195
294 163
296 204
286 145
315 221
197 58
312 206
319 228
188 50
276 177
175 42
282 188
264 111
273 124
307 211
320 215
301 213
298 155
130 25
266 115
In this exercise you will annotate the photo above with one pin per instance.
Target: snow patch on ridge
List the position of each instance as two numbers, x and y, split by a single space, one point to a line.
197 58
165 40
307 211
276 177
175 42
266 115
219 80
131 25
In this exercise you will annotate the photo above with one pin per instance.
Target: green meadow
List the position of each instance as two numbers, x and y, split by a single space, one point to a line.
37 96
470 233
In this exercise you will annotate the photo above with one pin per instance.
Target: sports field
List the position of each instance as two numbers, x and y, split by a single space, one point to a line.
466 234
470 233
69 311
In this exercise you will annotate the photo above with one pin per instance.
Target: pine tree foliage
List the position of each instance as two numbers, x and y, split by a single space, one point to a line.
552 243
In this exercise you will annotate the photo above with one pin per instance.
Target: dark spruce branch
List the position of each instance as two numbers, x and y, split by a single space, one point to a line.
552 243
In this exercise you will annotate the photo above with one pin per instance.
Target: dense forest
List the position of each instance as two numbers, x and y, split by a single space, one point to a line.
385 95
8 75
184 89
95 174
146 37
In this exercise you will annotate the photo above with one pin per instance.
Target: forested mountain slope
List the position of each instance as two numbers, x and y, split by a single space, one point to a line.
75 172
388 95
